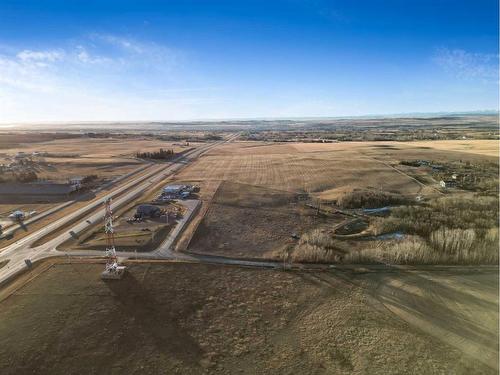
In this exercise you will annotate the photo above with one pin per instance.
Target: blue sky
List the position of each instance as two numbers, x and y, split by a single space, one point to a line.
180 60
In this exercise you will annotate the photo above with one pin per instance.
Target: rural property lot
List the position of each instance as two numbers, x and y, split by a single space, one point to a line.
478 147
252 221
239 222
193 318
328 170
104 157
284 167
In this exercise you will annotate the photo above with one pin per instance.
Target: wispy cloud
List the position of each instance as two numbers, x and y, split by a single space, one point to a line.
31 70
124 43
99 76
138 52
86 57
468 65
25 74
49 69
49 56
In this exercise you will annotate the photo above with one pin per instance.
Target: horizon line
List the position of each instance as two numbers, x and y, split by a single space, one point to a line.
264 118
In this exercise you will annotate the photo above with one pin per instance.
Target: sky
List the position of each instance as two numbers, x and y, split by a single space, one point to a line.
98 60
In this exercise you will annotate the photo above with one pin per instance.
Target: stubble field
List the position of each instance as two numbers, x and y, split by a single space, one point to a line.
328 170
238 222
104 157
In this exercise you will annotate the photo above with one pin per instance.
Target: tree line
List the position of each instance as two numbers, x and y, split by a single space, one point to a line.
160 155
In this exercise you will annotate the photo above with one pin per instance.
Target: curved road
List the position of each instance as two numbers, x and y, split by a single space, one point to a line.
23 249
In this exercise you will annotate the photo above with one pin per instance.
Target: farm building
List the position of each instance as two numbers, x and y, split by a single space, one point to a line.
173 189
447 184
147 210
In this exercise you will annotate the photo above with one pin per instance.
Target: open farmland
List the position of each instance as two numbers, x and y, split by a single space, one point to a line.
239 222
104 157
338 168
477 147
194 318
328 170
97 147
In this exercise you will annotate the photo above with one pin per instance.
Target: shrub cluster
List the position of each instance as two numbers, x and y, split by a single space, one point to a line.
448 230
370 199
479 213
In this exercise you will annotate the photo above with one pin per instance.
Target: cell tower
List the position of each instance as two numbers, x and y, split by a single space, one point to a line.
112 270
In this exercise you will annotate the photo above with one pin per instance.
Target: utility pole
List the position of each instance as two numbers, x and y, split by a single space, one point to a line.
112 269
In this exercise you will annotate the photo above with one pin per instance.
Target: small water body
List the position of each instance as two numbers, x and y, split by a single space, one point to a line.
390 236
375 211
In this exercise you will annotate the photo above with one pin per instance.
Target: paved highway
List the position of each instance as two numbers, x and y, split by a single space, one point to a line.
9 229
23 249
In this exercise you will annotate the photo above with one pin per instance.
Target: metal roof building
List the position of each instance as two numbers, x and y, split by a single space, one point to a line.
173 189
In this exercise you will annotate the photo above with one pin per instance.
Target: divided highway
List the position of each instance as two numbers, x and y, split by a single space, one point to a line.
18 252
10 229
93 213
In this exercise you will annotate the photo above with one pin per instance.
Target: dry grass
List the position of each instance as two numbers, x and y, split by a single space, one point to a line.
329 170
411 250
251 221
445 246
284 167
334 171
469 146
179 318
317 246
96 147
439 148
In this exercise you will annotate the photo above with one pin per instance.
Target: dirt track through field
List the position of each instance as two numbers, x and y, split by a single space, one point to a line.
308 172
461 310
198 318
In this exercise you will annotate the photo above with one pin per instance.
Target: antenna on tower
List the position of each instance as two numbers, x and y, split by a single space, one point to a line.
113 270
